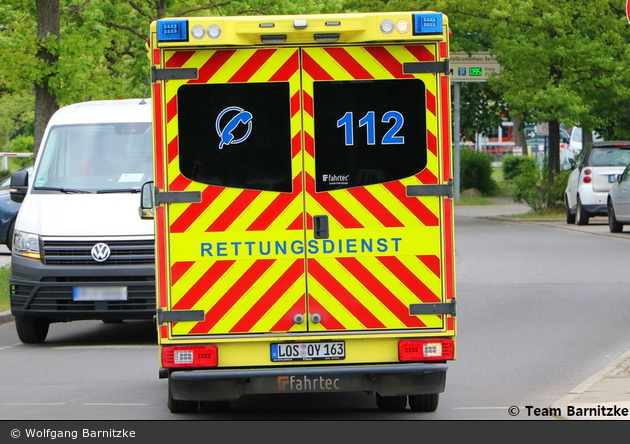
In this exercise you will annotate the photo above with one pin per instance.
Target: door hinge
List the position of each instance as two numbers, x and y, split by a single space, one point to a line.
179 316
427 67
177 197
430 190
173 74
427 308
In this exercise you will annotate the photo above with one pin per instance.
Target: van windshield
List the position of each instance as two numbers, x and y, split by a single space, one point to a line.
96 158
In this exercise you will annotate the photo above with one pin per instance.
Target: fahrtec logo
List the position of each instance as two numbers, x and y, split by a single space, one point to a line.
333 178
306 384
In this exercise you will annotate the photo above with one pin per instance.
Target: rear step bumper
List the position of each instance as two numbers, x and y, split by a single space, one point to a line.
230 384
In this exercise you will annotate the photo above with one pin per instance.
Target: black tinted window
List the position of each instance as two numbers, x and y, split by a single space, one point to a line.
368 132
236 135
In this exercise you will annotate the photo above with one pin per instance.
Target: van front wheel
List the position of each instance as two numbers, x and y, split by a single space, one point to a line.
31 330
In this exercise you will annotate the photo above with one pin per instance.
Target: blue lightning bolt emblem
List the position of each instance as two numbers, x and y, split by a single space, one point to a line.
225 133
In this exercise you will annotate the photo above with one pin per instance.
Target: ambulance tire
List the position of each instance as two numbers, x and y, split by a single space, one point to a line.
214 406
391 403
32 331
179 406
424 403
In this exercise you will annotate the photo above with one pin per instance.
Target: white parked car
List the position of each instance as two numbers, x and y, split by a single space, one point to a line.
619 202
595 171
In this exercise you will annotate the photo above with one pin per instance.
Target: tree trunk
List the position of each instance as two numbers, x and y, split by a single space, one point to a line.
520 140
45 100
554 149
161 9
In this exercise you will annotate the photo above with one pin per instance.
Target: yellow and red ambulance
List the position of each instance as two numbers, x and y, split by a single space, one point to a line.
303 207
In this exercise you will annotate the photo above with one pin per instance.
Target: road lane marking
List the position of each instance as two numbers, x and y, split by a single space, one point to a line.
113 404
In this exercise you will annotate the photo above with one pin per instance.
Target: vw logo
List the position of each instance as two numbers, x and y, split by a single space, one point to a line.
100 252
226 133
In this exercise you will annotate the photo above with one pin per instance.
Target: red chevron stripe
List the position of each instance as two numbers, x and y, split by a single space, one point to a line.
342 295
432 143
432 262
446 128
205 283
427 177
171 109
178 59
277 206
267 300
421 53
286 321
252 65
308 103
380 291
408 279
334 208
193 211
173 149
448 241
212 65
233 211
179 184
328 321
388 61
431 104
348 63
232 295
413 204
295 104
159 142
297 224
313 69
287 70
309 144
179 269
296 145
375 207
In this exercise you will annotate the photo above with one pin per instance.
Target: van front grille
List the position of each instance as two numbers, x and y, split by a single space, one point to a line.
79 252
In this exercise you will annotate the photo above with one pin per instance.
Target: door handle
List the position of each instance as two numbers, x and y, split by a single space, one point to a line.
320 227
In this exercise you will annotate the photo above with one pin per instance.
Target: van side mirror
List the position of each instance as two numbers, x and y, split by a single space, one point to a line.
18 186
147 207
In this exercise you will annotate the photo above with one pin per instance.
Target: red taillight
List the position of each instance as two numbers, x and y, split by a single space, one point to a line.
587 171
194 356
587 179
426 350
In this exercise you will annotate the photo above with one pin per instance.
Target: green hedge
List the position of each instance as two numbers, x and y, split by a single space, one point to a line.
475 171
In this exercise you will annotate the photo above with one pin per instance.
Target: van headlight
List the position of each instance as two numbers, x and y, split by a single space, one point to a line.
26 244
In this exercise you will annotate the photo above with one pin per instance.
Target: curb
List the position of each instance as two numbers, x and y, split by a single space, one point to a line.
579 390
6 317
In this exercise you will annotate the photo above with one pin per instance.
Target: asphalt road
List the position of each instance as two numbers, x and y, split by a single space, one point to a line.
540 309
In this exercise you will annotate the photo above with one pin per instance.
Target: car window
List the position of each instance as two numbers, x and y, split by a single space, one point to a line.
609 157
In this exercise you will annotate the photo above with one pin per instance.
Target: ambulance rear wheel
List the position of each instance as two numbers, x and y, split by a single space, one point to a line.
214 406
424 403
179 406
391 403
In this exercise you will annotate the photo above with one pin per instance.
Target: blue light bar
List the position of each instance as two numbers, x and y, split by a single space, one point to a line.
172 30
428 23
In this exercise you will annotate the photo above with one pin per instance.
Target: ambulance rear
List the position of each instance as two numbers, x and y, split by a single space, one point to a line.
303 207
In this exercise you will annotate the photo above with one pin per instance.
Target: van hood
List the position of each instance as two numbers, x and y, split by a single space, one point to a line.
83 215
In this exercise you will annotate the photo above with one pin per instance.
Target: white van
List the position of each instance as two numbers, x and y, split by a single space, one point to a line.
80 251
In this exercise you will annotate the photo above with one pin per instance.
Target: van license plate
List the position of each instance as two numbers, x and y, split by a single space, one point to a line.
308 351
99 293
